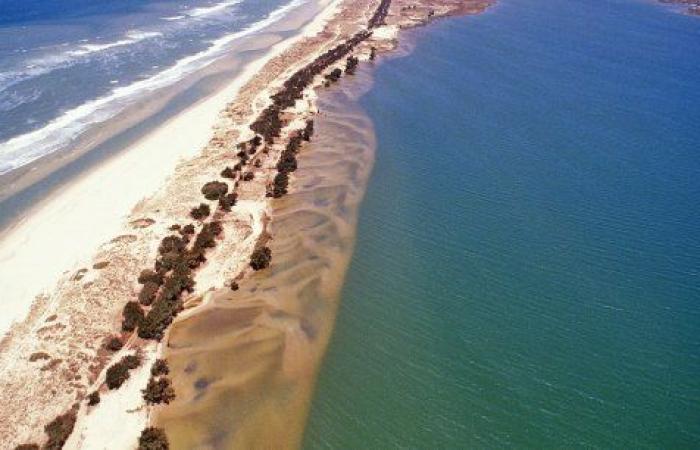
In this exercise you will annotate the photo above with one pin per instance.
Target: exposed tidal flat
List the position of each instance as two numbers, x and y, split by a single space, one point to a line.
526 271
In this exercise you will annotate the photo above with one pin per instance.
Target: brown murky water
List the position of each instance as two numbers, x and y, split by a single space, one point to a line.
244 365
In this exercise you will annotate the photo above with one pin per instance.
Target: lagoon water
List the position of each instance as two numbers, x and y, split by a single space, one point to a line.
527 265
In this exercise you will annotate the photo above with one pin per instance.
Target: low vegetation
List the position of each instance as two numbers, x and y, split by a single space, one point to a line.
148 293
214 190
200 212
94 398
159 390
59 429
153 438
118 373
160 367
132 316
261 258
114 344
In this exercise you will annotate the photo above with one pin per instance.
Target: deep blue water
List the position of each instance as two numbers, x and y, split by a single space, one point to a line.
66 66
527 270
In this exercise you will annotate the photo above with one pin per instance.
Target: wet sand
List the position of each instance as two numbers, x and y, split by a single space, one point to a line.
245 364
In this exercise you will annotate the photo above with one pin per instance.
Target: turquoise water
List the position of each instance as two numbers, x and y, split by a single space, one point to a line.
527 269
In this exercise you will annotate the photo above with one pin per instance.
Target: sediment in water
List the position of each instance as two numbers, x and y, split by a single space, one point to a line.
244 363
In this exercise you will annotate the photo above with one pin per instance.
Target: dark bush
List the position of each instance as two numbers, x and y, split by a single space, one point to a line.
153 438
207 235
248 176
379 15
94 398
351 65
27 447
168 302
148 293
175 227
228 173
279 185
200 212
59 430
234 286
187 229
228 201
159 390
334 75
131 361
114 344
261 258
214 189
132 316
160 367
117 374
172 243
308 130
372 53
287 162
148 275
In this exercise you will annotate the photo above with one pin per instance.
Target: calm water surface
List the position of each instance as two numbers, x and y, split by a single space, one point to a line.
527 265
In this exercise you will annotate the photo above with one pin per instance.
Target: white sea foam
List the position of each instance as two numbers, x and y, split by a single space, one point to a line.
22 150
131 38
45 64
173 18
207 10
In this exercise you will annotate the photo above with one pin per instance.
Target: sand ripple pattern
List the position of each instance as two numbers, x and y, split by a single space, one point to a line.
245 363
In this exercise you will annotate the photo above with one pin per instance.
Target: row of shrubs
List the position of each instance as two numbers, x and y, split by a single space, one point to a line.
379 15
269 124
287 162
162 288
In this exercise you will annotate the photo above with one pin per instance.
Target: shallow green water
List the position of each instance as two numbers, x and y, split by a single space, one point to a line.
528 256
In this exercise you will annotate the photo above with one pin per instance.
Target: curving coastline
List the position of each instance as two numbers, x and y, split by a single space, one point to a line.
77 319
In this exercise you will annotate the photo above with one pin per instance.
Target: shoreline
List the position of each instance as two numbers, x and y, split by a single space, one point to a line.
243 228
162 148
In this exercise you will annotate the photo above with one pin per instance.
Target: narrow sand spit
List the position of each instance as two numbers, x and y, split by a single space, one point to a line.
85 246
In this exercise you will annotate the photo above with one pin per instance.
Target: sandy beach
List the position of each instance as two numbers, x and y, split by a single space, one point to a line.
71 263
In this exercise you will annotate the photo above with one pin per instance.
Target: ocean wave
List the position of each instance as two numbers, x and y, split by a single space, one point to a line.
43 65
22 150
207 10
131 38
